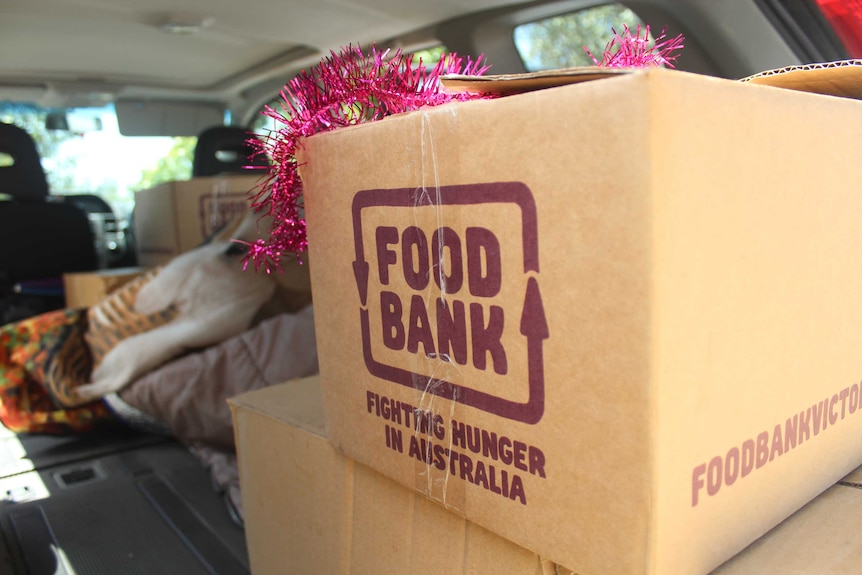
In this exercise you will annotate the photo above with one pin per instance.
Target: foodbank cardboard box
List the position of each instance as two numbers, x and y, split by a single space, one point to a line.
175 217
603 320
310 510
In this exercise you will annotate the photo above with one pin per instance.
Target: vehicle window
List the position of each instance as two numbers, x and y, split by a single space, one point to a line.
559 42
262 125
429 56
97 159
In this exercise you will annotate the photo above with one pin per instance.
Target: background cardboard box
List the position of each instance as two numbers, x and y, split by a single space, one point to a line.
177 216
645 316
309 510
84 289
822 538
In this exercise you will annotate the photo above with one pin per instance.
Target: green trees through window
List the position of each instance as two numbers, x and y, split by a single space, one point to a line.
559 42
102 161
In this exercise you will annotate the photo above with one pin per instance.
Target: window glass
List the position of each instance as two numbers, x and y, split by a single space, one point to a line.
559 42
98 159
262 124
430 56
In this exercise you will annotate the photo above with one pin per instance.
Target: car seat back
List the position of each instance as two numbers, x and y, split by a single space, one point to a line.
23 180
225 149
40 239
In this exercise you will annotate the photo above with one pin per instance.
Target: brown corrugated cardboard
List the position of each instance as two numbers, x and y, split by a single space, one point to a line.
822 538
645 319
309 510
83 289
841 78
175 217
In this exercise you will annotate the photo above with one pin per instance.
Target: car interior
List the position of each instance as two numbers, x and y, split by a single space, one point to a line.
102 98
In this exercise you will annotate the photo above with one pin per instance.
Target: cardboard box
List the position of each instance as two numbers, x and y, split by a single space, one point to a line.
342 517
822 538
178 216
646 317
84 289
309 510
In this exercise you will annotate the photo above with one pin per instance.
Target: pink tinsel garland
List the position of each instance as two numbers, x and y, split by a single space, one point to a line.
352 87
347 88
629 50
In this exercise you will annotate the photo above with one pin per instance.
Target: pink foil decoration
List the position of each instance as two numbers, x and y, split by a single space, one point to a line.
347 88
629 50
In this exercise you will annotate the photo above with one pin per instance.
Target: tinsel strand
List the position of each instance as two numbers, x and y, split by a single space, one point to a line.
346 88
629 50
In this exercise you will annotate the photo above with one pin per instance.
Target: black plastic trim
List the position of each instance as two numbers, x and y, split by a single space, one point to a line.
805 29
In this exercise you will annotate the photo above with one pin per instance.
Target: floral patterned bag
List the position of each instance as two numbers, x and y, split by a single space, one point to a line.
42 353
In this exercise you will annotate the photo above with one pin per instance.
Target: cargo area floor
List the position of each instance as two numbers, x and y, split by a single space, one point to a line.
114 502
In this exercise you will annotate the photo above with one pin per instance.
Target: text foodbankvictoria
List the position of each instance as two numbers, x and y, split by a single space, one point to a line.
754 453
450 305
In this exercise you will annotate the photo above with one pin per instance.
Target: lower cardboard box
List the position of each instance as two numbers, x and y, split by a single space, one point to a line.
310 510
820 539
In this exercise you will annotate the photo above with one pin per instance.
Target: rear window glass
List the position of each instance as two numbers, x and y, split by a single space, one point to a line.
558 42
97 159
263 125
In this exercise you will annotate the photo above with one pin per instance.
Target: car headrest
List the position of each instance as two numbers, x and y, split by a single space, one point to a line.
90 203
24 179
225 149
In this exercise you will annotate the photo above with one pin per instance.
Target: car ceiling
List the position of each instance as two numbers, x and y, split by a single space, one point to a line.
63 52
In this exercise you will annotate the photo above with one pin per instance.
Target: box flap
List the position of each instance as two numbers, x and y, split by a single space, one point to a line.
842 78
302 409
506 84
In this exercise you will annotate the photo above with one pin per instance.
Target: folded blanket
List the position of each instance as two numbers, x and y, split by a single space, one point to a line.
189 395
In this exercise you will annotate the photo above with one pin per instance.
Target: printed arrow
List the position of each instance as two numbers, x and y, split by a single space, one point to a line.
534 326
360 272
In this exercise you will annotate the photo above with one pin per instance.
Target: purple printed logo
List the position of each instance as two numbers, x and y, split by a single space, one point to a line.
449 295
216 210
